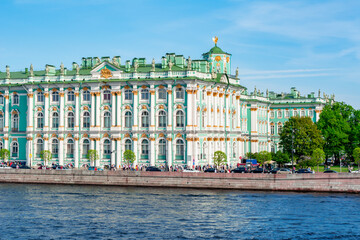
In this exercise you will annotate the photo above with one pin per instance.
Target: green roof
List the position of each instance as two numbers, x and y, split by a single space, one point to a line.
216 50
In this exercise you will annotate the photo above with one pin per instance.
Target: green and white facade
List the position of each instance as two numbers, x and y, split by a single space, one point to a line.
176 112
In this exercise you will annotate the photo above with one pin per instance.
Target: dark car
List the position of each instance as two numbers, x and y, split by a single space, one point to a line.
24 167
259 170
330 171
239 170
303 171
153 169
274 170
210 170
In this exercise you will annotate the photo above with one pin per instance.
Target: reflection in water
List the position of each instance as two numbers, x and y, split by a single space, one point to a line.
93 212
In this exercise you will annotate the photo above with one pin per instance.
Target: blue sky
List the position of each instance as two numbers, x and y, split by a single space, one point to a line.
277 45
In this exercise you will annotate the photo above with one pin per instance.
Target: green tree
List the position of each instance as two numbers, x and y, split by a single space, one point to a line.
220 158
129 157
302 135
92 156
281 158
4 154
46 156
263 157
356 155
318 157
334 124
305 161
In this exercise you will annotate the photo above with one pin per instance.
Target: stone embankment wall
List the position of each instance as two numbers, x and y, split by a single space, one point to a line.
320 182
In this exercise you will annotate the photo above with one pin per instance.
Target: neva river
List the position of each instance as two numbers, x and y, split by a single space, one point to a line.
88 212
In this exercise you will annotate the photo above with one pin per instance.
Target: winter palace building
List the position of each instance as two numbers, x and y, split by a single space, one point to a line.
179 111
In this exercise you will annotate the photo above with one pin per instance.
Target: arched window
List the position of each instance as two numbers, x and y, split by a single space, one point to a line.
180 119
54 147
145 119
128 95
128 119
287 114
180 148
15 122
145 94
272 129
55 96
86 120
302 113
71 96
1 145
71 120
14 149
85 148
179 93
162 147
86 96
295 113
272 114
40 97
128 144
204 150
279 114
70 148
107 96
144 148
203 119
311 113
272 148
279 128
107 120
162 94
107 147
15 99
234 150
1 122
1 99
40 120
162 118
39 147
55 120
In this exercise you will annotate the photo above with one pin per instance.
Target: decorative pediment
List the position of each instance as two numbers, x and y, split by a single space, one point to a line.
105 70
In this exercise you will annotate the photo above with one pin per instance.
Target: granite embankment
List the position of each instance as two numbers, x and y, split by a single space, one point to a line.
320 182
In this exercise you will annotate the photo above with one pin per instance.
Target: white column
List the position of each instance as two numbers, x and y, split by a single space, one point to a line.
6 128
61 151
46 111
254 120
227 114
196 153
118 152
30 113
228 151
118 110
62 105
97 143
152 151
152 108
189 112
136 115
113 152
170 108
46 143
76 152
29 145
189 151
93 110
98 110
77 111
238 113
113 110
135 142
169 152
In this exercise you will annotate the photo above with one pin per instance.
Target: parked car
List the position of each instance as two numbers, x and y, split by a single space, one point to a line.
330 171
210 170
153 169
191 170
3 166
303 171
259 170
274 170
284 171
239 170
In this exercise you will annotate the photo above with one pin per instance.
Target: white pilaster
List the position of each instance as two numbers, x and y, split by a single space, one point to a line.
77 110
118 110
136 115
76 150
98 111
135 142
97 143
61 151
169 152
152 151
46 110
113 152
118 152
113 110
170 108
152 108
93 110
61 115
30 113
7 114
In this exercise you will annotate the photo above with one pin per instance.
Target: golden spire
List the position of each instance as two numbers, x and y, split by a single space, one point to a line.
215 39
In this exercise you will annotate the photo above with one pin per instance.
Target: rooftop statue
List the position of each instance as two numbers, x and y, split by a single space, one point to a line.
207 67
170 65
136 65
319 94
31 70
77 69
153 65
267 92
189 64
46 70
7 71
213 74
237 72
215 39
62 71
114 61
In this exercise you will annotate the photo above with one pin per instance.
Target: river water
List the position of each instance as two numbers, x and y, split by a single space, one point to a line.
97 212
